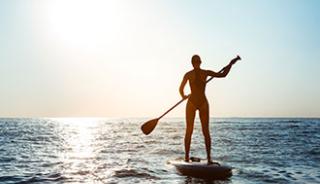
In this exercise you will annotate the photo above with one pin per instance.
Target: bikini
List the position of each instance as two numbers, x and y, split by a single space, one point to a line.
197 97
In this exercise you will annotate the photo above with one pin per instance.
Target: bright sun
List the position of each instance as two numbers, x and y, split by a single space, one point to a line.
103 51
79 23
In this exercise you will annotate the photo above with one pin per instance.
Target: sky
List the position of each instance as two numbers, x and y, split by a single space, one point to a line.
124 58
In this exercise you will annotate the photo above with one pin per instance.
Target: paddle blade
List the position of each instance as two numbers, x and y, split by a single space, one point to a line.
148 127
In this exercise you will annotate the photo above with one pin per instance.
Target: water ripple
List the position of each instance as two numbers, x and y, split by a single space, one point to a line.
115 151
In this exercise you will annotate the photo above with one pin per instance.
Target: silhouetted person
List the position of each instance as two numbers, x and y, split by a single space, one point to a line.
198 101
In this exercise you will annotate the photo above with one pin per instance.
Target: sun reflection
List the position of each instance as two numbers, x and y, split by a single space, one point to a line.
78 155
81 143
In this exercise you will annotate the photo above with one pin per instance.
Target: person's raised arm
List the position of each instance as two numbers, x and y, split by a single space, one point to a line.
224 71
182 85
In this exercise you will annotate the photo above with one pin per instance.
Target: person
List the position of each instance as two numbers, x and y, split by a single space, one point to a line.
197 101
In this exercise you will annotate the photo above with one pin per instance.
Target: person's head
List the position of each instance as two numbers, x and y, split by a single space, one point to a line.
196 61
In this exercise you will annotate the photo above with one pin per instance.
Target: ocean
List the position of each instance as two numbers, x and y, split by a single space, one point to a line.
114 150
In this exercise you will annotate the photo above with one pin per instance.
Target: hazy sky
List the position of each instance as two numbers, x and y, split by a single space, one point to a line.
127 58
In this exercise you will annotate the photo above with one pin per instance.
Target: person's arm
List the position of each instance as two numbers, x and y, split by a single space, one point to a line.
182 85
224 72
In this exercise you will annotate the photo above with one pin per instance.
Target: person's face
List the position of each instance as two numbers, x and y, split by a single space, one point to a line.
197 63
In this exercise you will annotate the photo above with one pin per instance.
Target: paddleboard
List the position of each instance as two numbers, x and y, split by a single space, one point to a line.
201 169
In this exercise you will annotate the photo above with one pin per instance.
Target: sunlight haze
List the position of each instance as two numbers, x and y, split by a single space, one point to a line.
124 58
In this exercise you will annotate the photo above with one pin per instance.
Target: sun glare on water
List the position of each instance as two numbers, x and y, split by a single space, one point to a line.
82 136
78 137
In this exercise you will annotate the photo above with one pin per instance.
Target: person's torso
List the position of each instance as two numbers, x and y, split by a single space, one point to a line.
197 81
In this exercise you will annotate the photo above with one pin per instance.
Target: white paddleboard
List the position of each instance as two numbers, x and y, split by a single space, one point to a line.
201 169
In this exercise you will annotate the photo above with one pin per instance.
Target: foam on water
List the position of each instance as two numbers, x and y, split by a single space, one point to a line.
115 151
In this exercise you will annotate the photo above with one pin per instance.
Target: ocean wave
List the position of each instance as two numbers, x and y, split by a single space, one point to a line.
123 173
35 178
262 150
163 151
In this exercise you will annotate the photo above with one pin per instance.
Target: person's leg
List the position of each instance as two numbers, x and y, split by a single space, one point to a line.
204 117
190 114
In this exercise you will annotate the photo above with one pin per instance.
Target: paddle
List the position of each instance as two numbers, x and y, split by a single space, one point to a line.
148 126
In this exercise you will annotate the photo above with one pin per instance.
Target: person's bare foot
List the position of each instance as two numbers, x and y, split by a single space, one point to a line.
210 162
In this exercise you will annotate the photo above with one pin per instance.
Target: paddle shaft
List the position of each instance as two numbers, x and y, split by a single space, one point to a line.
183 99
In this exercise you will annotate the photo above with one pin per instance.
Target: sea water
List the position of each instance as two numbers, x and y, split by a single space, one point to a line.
84 150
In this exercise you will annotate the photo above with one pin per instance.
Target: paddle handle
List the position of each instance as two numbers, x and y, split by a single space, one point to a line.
183 99
213 77
236 59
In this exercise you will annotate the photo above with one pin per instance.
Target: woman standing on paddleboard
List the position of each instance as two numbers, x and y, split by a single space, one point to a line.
197 101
